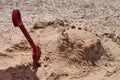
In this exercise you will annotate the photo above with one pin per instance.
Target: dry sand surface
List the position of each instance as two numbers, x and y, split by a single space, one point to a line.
79 40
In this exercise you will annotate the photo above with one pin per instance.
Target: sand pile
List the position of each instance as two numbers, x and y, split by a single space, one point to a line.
76 44
66 49
79 45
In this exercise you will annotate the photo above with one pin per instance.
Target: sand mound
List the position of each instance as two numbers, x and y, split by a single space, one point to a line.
79 45
66 49
76 44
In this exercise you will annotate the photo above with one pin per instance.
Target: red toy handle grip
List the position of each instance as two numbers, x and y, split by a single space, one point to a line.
16 18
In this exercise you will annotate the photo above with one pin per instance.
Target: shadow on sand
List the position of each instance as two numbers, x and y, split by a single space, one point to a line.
18 73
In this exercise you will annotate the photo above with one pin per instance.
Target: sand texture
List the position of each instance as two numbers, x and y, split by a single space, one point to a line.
79 40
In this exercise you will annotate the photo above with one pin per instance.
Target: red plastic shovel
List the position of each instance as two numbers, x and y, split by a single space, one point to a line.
16 18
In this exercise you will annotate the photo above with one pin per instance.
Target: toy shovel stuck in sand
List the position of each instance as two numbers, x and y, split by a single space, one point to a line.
16 18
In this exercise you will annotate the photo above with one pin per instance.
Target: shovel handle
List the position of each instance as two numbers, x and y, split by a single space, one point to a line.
16 18
17 22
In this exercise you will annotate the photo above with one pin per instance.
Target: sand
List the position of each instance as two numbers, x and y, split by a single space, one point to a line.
79 40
